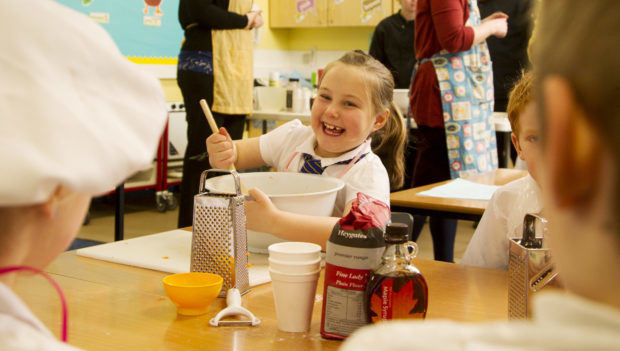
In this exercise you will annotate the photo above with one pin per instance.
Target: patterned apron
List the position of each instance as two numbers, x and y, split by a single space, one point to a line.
466 88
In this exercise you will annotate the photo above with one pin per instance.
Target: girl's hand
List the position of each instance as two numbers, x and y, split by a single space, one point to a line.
261 214
222 150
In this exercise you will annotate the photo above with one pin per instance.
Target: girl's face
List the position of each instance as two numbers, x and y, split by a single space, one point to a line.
342 114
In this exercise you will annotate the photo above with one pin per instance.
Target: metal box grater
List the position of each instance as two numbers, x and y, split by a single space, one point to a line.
219 238
529 270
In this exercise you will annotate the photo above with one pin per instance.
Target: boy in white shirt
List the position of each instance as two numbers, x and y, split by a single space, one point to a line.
503 217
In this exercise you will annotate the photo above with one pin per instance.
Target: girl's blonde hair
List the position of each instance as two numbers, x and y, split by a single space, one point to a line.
388 142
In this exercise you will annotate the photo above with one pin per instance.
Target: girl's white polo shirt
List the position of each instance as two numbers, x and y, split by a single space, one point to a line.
368 175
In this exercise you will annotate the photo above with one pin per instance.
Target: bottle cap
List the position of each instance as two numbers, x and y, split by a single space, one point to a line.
396 233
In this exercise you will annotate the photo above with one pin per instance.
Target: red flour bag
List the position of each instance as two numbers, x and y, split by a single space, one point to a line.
353 250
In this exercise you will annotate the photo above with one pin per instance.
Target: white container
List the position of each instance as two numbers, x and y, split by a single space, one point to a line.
274 79
401 99
270 99
292 267
298 99
293 192
294 296
294 251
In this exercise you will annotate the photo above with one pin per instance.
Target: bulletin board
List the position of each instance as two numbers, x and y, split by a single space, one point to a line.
146 31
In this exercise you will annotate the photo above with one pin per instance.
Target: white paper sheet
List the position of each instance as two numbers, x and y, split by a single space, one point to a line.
462 189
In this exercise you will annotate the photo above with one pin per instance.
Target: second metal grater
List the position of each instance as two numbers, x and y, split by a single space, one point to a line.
530 268
219 238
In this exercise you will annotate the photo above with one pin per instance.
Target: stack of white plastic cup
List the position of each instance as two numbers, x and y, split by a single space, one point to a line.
294 268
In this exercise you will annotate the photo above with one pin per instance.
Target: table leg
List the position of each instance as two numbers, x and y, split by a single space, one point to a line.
119 212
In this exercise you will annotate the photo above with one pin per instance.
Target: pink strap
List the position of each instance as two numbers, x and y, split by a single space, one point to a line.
362 151
63 302
288 164
357 157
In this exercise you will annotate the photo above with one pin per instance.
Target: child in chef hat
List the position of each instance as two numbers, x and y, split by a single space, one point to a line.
77 118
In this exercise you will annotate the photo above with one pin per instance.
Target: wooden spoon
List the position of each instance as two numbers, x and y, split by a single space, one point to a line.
215 130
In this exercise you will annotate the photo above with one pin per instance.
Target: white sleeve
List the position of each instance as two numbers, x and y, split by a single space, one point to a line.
276 145
489 244
369 177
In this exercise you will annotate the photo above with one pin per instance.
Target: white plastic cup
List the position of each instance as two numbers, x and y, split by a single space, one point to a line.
293 267
274 79
294 251
293 295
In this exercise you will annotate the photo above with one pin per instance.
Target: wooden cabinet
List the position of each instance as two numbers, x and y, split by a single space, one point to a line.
327 13
297 13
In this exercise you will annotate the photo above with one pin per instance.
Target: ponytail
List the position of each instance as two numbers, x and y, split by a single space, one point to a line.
389 144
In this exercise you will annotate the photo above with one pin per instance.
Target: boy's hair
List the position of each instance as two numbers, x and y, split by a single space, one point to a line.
388 142
520 96
578 41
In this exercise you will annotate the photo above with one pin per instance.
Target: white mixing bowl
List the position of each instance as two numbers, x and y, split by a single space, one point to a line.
292 192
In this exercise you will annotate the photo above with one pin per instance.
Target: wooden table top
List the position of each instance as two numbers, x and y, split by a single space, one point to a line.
410 199
119 307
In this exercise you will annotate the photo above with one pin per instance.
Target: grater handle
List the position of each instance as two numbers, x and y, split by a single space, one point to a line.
203 178
544 277
528 240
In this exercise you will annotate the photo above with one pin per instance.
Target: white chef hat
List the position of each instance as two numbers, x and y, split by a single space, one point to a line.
73 110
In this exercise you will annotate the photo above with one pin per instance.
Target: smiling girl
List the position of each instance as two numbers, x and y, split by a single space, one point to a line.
356 133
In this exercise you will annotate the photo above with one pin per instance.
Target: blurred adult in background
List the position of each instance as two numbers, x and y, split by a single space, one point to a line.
509 56
216 63
452 101
392 43
575 59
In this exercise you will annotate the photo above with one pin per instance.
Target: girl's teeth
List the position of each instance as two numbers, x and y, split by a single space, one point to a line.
334 128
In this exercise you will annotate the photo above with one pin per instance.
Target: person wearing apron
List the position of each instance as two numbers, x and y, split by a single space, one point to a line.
216 64
452 101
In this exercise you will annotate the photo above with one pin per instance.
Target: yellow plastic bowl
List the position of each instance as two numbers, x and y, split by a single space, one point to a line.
192 292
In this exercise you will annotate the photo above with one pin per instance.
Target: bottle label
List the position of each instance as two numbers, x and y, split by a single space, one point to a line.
344 299
350 257
396 298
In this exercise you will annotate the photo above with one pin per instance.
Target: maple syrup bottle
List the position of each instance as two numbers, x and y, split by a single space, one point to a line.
396 289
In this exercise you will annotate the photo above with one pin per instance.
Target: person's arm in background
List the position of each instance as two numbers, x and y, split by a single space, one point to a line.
495 24
206 13
453 34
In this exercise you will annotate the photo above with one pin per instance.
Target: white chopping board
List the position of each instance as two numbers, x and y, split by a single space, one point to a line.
167 252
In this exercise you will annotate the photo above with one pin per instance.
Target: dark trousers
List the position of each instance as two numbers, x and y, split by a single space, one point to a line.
431 165
195 86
